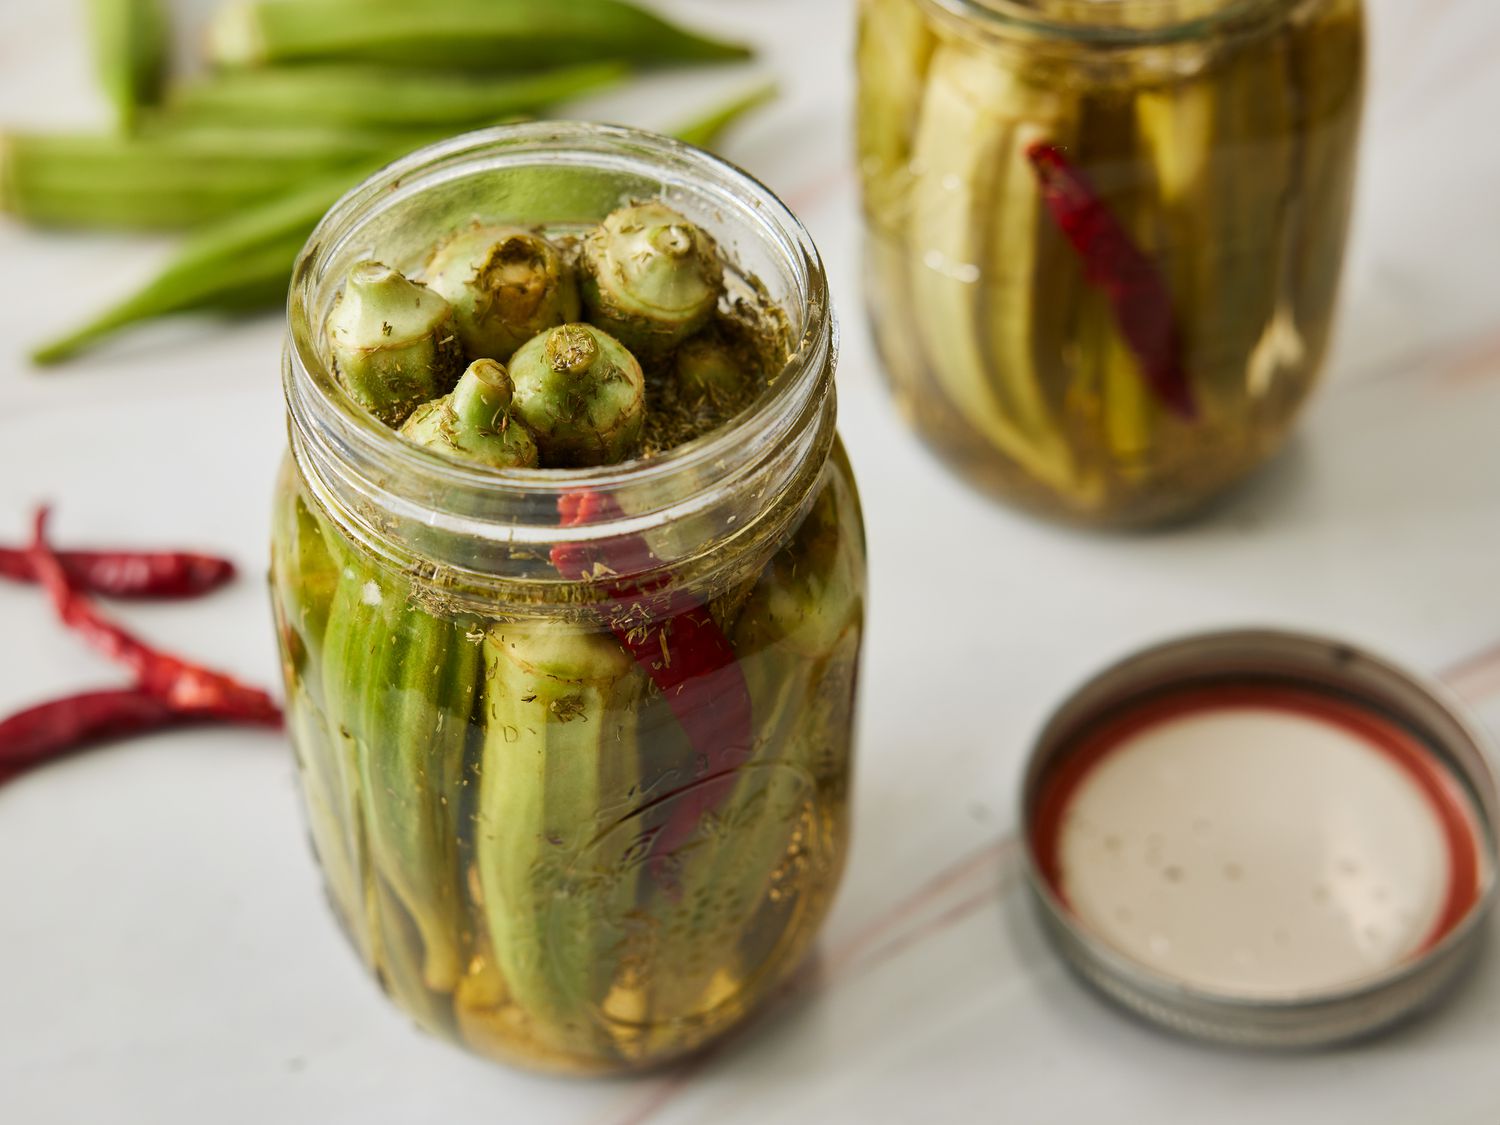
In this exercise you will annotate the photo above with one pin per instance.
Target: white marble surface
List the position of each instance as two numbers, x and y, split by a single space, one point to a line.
165 955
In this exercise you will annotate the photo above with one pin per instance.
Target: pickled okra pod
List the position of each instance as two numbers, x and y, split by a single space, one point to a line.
581 394
476 422
650 277
559 747
506 286
400 686
394 342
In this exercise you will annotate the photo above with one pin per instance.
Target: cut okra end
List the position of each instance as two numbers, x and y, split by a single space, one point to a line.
651 276
708 372
505 284
394 342
476 422
582 394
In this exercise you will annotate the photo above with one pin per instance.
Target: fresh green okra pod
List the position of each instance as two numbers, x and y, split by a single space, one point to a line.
475 422
175 177
464 34
506 286
581 394
705 131
394 342
650 277
241 263
369 96
132 45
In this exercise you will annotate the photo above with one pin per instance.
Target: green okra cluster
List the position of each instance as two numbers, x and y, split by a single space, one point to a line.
1225 156
301 101
485 782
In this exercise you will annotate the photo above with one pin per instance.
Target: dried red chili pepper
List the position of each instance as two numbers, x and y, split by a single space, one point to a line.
1112 262
675 640
128 574
49 730
188 687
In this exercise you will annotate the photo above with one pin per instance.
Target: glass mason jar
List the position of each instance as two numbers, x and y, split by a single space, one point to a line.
1104 237
586 825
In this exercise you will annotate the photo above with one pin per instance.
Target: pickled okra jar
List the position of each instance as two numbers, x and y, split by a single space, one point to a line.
1104 237
574 743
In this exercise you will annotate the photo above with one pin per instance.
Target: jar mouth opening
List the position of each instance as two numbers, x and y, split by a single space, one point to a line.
1109 22
316 400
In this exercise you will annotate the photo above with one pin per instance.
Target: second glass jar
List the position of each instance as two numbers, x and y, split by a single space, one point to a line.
1104 237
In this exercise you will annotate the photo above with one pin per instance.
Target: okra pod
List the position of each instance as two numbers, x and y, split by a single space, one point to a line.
400 687
173 178
368 96
895 43
307 575
796 635
557 869
132 45
706 130
241 263
976 192
476 34
1328 67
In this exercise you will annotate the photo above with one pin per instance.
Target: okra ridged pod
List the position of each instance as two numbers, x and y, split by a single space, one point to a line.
707 128
403 686
797 633
363 96
895 44
474 34
306 577
239 263
1249 194
558 879
132 44
976 191
171 178
1131 435
1328 67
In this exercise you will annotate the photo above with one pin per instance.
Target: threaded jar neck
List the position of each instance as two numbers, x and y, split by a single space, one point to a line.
1112 23
701 504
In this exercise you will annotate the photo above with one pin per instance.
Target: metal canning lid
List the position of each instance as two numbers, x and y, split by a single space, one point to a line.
1262 838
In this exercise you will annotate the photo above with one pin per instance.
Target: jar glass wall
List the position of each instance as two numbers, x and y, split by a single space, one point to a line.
1207 152
540 849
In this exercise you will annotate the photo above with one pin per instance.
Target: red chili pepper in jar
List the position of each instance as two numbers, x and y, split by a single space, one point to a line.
1113 263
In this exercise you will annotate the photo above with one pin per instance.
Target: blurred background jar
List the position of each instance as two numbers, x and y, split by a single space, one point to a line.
1104 237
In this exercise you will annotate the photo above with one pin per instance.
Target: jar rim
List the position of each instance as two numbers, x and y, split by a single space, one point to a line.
1153 21
316 401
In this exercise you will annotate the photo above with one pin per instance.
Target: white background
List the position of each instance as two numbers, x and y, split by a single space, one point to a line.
165 955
